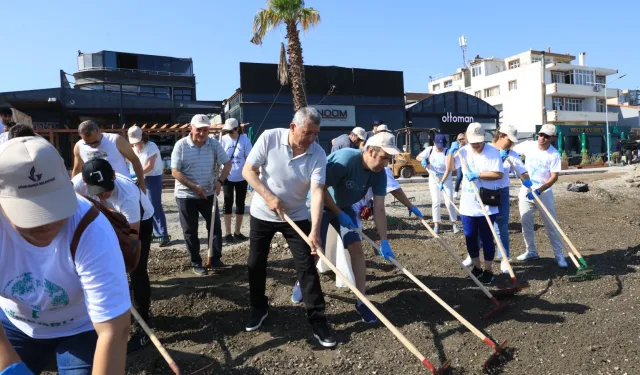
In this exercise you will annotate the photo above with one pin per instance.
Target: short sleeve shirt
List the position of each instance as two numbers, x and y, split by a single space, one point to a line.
349 180
288 178
514 158
341 142
197 164
437 160
237 150
148 150
539 163
487 161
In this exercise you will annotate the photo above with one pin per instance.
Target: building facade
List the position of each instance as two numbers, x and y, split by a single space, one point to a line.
346 98
530 92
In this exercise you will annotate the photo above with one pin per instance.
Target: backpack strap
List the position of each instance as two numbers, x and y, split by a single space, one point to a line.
87 219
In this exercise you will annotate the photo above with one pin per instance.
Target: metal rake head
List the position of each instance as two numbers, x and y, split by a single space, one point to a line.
584 274
494 359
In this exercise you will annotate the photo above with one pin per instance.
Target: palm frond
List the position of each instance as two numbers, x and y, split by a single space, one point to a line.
283 67
263 21
308 18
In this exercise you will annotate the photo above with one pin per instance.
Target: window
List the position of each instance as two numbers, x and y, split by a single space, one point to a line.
583 77
476 70
558 104
557 77
448 83
600 80
182 94
436 87
574 105
478 94
535 59
492 91
600 105
513 85
514 64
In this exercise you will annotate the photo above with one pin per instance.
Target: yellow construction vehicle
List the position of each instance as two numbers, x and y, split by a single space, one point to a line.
412 142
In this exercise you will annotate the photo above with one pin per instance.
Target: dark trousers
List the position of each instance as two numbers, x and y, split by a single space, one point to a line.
189 208
240 189
140 285
260 237
458 179
474 226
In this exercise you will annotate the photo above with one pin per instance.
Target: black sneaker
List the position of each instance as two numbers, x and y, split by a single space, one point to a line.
166 240
198 269
138 341
477 272
257 318
229 238
486 278
240 237
217 263
323 334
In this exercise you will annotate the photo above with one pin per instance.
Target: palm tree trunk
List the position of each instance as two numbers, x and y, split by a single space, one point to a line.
296 67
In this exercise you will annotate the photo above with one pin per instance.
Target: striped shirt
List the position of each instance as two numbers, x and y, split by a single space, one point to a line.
198 165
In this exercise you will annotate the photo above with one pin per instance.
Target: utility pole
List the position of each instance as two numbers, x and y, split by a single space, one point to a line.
544 91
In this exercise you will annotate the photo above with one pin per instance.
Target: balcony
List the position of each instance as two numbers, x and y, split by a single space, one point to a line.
579 91
580 117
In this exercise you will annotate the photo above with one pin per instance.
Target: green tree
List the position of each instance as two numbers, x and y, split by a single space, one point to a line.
291 13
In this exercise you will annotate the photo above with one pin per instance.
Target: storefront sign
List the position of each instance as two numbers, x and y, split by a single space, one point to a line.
337 115
451 118
586 130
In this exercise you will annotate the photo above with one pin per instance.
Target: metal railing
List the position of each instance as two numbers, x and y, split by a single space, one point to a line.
156 72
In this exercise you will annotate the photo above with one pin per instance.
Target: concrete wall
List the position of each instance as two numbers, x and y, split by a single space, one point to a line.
627 116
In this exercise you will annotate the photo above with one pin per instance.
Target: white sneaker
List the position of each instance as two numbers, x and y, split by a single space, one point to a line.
296 296
455 195
528 255
455 228
467 262
562 262
503 267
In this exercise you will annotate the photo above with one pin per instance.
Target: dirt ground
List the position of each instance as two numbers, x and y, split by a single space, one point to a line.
553 327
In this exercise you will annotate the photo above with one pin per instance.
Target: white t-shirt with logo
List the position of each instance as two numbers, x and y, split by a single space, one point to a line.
487 161
148 150
517 163
46 296
239 156
437 160
539 163
125 198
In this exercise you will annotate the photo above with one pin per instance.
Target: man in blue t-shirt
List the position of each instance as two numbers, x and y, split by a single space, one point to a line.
350 174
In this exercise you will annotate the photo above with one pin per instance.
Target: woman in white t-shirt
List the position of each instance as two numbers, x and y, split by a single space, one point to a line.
237 146
151 160
484 169
52 305
439 162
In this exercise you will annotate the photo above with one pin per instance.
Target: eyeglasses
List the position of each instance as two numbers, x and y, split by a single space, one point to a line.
95 143
544 135
460 139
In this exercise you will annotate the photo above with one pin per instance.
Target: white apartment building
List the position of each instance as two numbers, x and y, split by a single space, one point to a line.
566 94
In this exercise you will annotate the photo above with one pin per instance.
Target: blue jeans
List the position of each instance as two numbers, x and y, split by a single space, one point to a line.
154 191
458 179
502 220
74 354
474 226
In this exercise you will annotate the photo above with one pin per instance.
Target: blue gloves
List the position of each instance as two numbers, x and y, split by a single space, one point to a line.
416 211
504 154
424 163
17 369
530 194
455 146
346 221
385 250
441 186
472 175
133 176
527 183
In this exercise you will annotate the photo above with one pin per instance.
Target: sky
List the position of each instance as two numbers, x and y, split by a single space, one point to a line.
418 37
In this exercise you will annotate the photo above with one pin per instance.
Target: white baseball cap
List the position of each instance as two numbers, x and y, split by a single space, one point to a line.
135 134
382 128
201 121
386 141
230 124
548 129
360 132
510 131
475 133
35 188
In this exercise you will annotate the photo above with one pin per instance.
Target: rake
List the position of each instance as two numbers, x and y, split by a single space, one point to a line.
584 272
445 369
497 349
498 293
516 288
172 364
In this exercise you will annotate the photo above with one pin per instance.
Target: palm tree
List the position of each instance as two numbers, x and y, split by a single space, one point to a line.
291 13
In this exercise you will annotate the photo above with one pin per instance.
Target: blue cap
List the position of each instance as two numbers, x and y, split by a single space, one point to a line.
376 122
440 141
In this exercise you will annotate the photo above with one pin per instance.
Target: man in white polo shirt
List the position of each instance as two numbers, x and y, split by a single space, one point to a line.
282 167
542 161
193 165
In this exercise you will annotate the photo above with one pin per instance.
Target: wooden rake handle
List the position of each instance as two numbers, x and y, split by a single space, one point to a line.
457 258
155 341
546 211
361 296
449 200
442 303
486 215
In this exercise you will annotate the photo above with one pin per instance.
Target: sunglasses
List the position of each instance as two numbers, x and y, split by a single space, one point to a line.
544 135
460 139
95 143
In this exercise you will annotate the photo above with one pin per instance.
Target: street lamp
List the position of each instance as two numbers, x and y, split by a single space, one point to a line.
606 114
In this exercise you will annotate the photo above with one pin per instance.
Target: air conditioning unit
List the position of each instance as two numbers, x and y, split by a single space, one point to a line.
597 88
